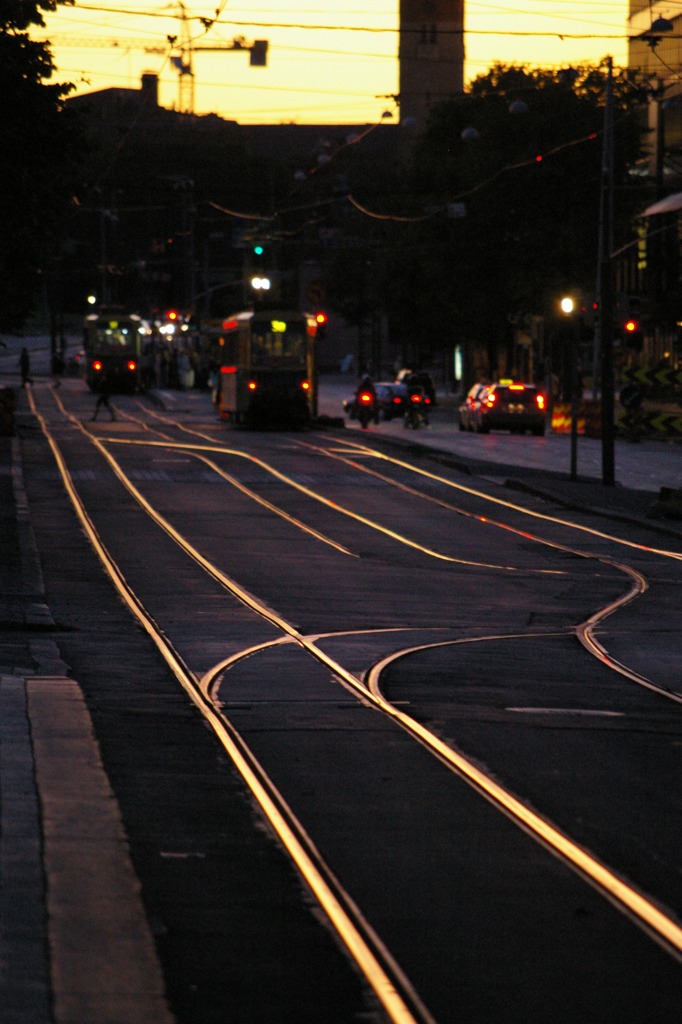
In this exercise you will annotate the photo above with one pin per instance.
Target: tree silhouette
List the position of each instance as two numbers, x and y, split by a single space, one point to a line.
39 149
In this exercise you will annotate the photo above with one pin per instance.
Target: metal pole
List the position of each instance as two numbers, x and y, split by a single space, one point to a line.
606 296
574 397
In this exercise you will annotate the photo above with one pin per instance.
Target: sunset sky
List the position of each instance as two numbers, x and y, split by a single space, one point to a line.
330 61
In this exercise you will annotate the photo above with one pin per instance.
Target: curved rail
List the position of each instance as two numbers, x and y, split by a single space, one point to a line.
660 925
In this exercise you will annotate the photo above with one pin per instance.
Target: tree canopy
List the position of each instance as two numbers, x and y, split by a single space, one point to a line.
39 152
501 203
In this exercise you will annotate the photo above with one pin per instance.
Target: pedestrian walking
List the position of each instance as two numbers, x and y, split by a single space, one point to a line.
25 367
103 398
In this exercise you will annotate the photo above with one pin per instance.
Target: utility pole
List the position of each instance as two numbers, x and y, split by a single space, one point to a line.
605 279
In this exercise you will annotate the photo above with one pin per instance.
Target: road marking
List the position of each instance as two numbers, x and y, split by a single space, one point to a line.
587 712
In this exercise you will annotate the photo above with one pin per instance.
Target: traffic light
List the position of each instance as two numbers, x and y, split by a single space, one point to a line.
632 335
258 248
258 55
589 312
321 322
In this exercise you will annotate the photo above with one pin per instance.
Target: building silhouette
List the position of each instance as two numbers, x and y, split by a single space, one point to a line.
431 56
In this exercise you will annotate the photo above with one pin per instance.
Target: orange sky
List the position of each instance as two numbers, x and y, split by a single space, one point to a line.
330 61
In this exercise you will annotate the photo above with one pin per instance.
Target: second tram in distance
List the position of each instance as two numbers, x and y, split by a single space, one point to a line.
112 342
268 367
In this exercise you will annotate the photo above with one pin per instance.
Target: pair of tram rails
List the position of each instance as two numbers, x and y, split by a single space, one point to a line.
265 361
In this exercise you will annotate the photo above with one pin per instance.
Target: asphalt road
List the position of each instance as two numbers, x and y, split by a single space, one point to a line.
465 704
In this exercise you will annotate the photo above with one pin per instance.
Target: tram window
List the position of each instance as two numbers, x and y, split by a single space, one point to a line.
282 347
114 339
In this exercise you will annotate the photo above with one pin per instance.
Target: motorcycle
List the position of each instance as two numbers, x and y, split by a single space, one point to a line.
366 407
417 411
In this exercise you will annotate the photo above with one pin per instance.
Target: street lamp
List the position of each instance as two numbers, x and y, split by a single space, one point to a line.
568 309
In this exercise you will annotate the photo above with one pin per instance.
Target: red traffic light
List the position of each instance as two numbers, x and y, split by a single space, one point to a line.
631 326
320 319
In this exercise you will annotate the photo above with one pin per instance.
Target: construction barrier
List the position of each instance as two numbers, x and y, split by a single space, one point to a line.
561 418
630 422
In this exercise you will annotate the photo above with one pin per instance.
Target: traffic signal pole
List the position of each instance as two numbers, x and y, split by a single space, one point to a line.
606 303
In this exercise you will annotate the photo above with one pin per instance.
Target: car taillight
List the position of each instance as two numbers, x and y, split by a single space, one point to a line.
490 400
517 387
540 399
416 398
252 385
365 397
397 399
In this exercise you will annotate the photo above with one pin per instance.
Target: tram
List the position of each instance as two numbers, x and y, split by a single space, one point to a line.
268 367
112 342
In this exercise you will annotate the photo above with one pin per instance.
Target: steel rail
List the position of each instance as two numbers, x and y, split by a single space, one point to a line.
238 485
659 924
374 452
384 975
585 631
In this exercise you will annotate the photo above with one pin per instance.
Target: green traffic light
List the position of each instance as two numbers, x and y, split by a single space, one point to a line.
258 249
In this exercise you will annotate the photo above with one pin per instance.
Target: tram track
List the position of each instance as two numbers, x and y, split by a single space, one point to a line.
660 925
585 632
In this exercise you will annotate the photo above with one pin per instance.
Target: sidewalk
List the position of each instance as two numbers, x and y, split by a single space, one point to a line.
69 897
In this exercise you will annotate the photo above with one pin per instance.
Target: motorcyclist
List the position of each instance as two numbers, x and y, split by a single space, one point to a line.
416 412
366 387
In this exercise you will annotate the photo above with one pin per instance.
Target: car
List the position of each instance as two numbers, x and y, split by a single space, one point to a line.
511 405
75 364
468 408
391 399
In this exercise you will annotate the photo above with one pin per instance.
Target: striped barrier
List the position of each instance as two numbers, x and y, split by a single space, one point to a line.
652 422
561 418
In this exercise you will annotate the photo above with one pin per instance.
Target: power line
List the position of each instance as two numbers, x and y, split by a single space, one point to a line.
372 30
